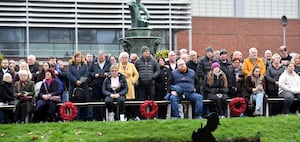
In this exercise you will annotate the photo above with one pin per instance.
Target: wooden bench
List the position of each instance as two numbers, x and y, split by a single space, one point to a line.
137 103
6 106
163 102
274 100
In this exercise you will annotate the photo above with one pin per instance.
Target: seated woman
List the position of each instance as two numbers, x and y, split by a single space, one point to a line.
115 89
24 92
254 89
48 97
289 87
217 88
6 97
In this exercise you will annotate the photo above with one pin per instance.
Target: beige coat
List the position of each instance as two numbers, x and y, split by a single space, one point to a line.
132 75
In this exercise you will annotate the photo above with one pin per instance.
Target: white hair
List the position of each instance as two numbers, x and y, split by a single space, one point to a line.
22 72
7 75
123 54
31 57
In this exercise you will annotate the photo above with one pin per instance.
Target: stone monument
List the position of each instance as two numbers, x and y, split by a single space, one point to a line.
139 34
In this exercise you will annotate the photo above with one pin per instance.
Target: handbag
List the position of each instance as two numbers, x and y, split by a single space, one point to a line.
26 98
52 98
55 99
78 95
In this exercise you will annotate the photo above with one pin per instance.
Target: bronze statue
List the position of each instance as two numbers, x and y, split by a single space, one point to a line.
205 134
137 19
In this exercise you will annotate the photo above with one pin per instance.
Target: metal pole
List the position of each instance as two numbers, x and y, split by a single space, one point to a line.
27 29
123 19
170 27
190 39
284 37
76 28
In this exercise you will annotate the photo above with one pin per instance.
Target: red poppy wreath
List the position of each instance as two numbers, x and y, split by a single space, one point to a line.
153 109
68 111
237 106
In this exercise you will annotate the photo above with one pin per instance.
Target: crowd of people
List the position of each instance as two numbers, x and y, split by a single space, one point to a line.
36 88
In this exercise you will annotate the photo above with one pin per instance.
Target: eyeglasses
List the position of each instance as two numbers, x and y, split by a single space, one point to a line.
114 71
182 64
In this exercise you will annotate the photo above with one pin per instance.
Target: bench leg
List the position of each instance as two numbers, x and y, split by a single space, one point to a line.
228 110
267 109
106 114
168 115
190 111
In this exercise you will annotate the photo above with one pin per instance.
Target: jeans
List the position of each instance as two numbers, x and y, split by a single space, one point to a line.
258 98
193 97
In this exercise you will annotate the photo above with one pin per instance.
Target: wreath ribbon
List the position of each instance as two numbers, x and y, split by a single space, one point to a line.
153 110
238 106
68 111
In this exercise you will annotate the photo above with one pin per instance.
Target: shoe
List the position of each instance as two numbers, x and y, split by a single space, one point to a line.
298 113
257 113
222 117
137 119
111 116
122 117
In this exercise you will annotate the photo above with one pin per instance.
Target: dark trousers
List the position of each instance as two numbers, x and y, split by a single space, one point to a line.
146 92
21 111
45 111
121 103
220 103
98 112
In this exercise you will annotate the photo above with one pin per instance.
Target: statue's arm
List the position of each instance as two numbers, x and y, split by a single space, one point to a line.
145 10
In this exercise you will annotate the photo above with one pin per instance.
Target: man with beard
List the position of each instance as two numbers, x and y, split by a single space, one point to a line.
4 69
184 79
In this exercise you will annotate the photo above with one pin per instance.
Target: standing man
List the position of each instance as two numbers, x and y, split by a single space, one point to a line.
98 70
148 70
33 66
4 69
267 59
285 57
226 67
203 66
252 61
171 60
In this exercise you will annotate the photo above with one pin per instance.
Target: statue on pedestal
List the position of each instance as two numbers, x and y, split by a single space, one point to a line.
137 19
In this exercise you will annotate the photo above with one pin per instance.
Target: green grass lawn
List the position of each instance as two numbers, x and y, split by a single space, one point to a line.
270 129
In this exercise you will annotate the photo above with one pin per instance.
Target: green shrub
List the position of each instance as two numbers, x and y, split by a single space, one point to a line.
162 53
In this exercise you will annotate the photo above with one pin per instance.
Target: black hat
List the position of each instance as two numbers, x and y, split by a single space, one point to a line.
144 48
223 51
209 49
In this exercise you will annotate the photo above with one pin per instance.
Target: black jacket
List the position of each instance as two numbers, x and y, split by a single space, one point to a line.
122 90
6 92
148 70
163 82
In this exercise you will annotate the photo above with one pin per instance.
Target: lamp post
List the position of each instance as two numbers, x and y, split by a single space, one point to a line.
284 22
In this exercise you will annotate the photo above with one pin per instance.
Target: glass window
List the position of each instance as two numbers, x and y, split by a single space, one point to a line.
12 49
108 36
87 36
271 9
213 8
38 35
12 35
61 35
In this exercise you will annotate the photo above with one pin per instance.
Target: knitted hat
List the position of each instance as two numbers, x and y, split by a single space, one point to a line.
209 49
215 64
144 48
223 51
